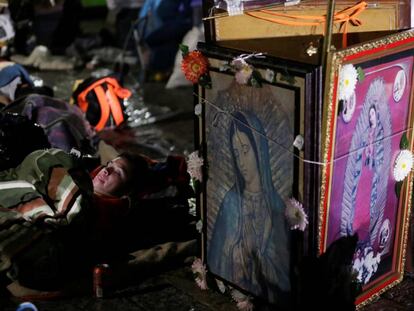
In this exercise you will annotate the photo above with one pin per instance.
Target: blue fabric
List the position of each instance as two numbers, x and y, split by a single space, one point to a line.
266 263
9 73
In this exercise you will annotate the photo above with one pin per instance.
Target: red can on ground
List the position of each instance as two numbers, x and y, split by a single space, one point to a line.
101 280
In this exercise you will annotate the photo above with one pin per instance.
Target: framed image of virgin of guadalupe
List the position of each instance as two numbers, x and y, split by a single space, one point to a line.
368 144
252 170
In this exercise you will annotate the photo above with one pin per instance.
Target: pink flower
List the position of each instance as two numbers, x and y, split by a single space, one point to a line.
243 75
200 271
245 305
244 302
243 70
194 164
201 283
239 63
198 267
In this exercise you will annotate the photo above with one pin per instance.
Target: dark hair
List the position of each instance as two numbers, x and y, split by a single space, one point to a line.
139 171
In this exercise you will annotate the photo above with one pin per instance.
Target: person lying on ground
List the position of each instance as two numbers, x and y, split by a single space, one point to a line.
57 221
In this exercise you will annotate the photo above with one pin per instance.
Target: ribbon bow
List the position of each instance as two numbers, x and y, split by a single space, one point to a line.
344 17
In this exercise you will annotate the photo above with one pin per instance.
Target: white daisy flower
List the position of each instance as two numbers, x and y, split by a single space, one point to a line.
348 77
403 165
295 215
194 164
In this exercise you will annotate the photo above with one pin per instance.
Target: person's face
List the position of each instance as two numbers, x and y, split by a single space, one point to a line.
113 178
372 118
245 157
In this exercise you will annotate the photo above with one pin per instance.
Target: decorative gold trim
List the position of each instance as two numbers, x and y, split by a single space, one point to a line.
379 293
201 193
370 45
335 60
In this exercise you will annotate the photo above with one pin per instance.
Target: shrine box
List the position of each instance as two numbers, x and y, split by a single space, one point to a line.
384 15
260 145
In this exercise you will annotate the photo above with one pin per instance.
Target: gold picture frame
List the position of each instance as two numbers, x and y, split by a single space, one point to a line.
366 131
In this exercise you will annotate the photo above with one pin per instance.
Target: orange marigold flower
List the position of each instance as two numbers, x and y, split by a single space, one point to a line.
194 65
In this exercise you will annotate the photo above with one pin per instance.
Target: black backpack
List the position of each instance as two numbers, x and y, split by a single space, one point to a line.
19 136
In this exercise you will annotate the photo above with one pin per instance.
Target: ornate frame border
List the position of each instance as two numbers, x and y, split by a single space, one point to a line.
371 50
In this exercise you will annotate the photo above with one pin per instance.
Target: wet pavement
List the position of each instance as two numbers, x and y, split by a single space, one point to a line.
161 121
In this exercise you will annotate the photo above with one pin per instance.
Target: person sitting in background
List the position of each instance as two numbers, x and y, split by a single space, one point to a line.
12 77
57 221
161 27
53 24
126 13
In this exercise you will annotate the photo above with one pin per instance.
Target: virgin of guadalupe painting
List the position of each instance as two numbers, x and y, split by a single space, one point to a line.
250 176
362 197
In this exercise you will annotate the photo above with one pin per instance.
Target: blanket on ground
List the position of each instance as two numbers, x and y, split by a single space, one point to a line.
42 193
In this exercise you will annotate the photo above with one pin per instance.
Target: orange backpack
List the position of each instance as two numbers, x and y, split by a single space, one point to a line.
102 101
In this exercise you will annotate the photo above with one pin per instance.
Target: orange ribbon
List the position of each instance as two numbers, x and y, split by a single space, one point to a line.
344 18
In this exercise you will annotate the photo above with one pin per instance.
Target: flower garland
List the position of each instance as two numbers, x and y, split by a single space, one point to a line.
195 67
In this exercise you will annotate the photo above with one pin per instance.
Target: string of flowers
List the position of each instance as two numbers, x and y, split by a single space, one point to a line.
195 67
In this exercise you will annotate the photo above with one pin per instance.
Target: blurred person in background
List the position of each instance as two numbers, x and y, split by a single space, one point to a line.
54 24
126 13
